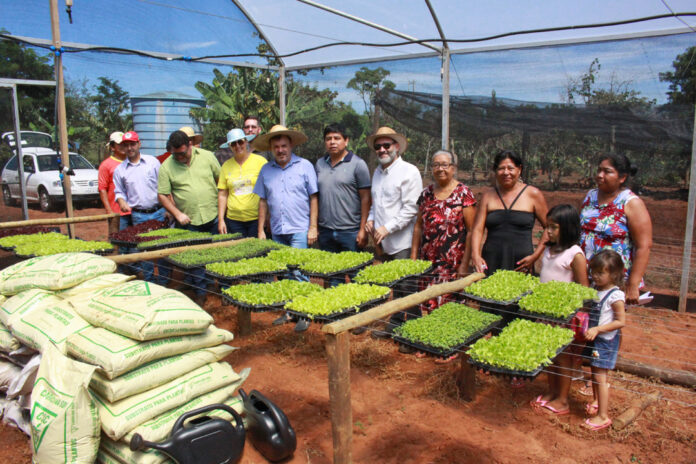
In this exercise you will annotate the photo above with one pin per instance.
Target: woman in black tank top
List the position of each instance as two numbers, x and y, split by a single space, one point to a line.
507 212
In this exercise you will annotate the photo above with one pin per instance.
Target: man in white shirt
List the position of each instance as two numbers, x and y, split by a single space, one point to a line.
396 185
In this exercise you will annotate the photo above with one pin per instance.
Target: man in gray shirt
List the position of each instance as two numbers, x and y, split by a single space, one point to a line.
344 194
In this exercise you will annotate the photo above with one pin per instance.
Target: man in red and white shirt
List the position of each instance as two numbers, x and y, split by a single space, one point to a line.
106 179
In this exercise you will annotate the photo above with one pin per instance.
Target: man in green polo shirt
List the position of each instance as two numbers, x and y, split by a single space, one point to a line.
187 188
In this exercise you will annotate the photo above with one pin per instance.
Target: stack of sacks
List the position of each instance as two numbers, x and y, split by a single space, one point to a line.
153 350
158 356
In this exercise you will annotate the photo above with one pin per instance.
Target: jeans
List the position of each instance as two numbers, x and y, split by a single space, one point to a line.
297 240
196 278
246 228
148 267
338 240
125 221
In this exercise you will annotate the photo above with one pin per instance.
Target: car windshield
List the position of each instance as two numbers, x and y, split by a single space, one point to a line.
32 139
50 162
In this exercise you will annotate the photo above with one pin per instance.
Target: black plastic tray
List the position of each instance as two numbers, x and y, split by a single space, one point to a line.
251 307
258 277
449 352
481 299
342 272
546 318
180 243
328 318
513 373
173 262
401 279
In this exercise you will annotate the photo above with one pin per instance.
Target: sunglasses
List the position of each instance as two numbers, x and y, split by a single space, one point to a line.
385 145
238 142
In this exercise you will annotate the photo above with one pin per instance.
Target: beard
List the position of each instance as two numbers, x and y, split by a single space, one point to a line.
393 153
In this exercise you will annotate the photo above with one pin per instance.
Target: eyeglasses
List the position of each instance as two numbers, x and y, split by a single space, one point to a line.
385 145
441 165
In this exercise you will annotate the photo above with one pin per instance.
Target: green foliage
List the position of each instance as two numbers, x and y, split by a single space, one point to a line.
336 299
391 270
503 286
15 240
164 232
557 299
52 247
186 235
225 237
367 82
246 249
272 293
295 256
245 267
446 327
682 81
521 346
328 263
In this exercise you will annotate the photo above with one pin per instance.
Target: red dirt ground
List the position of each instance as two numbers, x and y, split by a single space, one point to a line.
407 410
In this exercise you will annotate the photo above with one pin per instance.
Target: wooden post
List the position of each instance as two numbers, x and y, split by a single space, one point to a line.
466 379
243 322
338 354
57 221
635 410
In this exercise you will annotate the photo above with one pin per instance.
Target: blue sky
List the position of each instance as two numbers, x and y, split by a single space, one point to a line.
210 27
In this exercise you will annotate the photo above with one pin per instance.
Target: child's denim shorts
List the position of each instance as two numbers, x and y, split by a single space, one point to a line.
604 352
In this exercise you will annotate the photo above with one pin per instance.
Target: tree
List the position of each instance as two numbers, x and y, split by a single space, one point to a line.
19 61
682 87
619 92
368 82
111 106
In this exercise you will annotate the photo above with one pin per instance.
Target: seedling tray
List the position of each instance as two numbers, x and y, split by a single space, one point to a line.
546 318
328 318
351 271
511 372
400 279
450 351
258 277
173 262
262 308
180 243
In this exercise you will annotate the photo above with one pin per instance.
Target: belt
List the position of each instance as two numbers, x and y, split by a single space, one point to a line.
147 211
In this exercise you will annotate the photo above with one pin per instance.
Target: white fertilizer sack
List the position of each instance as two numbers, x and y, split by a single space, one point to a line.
116 354
23 302
8 372
64 418
156 373
120 417
142 311
91 285
23 383
54 272
7 341
121 453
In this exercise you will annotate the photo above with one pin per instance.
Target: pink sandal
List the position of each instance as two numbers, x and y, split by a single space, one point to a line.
595 427
591 409
538 402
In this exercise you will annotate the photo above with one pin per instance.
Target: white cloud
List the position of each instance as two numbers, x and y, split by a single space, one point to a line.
185 46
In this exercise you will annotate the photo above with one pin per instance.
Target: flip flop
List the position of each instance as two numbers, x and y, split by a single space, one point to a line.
586 390
420 354
595 427
537 402
591 409
557 412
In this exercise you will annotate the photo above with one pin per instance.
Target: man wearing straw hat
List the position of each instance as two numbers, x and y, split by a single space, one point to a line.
287 190
396 186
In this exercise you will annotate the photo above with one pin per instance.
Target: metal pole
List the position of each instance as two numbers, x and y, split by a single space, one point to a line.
688 234
20 156
281 94
62 118
445 97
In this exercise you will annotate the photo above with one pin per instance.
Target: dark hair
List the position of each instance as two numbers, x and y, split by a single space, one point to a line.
278 137
336 128
177 139
611 260
621 163
568 220
507 154
252 116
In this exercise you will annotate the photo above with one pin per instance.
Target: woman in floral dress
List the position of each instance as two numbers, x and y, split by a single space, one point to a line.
612 216
446 211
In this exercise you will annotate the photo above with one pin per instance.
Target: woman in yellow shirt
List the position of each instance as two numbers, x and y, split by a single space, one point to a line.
237 179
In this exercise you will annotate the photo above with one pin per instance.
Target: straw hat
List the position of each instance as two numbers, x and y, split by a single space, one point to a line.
392 134
262 142
193 137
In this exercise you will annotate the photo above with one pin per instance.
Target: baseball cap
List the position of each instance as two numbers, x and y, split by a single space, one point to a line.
131 136
115 137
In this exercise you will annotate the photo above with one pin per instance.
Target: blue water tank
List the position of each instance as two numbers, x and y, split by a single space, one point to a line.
157 115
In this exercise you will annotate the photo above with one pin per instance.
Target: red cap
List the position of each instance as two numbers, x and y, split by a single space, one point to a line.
130 136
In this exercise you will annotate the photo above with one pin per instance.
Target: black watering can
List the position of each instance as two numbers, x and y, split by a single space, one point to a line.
269 428
203 440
